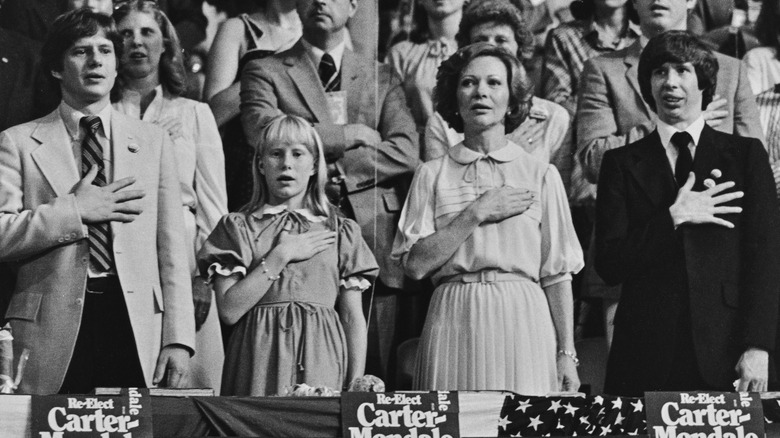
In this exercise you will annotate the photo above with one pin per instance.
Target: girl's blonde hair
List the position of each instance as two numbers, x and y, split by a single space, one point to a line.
288 129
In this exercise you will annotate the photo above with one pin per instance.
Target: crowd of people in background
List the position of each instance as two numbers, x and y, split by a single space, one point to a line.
446 194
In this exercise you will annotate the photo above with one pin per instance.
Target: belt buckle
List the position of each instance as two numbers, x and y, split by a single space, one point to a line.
487 276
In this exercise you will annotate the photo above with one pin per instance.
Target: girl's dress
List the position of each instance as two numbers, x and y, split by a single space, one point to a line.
489 324
293 334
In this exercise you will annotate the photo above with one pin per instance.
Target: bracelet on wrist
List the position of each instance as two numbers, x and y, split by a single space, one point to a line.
270 277
571 355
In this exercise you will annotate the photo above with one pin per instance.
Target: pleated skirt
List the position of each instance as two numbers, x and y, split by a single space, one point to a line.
480 336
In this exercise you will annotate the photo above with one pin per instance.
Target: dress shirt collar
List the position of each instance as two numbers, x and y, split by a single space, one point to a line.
72 117
666 132
271 210
337 53
463 155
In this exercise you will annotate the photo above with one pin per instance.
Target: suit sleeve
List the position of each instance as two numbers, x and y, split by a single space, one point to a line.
747 121
760 282
29 232
597 130
259 102
623 250
178 317
398 153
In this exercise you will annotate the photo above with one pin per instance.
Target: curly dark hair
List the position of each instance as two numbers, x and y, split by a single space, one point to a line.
499 12
173 76
448 78
71 27
678 47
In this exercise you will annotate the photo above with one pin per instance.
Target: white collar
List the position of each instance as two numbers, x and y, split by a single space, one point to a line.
666 131
316 53
463 155
271 210
130 104
72 117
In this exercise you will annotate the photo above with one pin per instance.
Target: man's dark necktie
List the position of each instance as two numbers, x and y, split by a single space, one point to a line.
684 165
328 74
99 234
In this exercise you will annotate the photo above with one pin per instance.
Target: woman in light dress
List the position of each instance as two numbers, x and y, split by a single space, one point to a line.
490 225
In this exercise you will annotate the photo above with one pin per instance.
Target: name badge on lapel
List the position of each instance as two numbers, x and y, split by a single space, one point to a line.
337 104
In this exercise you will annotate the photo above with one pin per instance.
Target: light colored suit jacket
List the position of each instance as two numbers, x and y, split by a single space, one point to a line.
611 112
376 177
41 233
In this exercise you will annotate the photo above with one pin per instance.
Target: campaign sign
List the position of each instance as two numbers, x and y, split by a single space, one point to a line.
399 414
128 415
704 415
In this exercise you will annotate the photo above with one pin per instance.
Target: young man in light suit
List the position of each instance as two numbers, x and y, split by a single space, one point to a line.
687 221
90 216
358 108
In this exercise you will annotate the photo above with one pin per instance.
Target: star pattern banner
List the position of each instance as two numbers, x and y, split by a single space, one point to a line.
598 415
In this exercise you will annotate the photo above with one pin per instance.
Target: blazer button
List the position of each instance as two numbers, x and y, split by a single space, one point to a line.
79 301
60 240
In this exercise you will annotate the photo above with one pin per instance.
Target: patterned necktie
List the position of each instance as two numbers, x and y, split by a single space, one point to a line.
99 234
684 165
328 74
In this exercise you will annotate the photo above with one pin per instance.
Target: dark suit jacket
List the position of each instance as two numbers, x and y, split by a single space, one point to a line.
376 178
726 280
611 112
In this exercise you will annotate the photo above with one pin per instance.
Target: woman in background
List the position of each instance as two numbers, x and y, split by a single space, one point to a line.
417 59
269 27
151 81
490 224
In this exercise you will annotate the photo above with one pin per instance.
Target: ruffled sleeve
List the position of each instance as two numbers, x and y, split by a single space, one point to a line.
357 265
417 217
228 250
561 251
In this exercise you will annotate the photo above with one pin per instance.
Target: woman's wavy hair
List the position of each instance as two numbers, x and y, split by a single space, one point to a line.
173 76
499 12
445 94
289 129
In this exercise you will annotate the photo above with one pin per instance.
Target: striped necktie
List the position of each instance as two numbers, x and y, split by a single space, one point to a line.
329 74
99 234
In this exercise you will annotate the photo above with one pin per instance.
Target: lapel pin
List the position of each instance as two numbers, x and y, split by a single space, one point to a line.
133 147
716 173
5 60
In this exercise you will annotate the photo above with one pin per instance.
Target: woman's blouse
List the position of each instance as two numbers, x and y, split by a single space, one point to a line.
540 243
